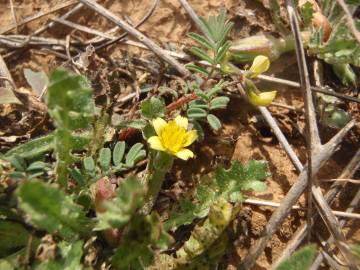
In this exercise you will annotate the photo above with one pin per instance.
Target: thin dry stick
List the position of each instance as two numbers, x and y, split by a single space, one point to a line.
300 234
314 143
4 72
194 17
138 35
64 17
13 15
312 133
119 38
354 203
350 20
297 207
321 154
277 131
292 196
38 15
82 28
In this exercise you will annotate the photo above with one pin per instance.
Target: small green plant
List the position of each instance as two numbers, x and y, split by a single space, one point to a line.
216 31
215 201
208 101
93 202
72 108
108 163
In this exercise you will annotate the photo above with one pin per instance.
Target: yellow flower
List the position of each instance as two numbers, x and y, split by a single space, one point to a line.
172 137
260 64
261 99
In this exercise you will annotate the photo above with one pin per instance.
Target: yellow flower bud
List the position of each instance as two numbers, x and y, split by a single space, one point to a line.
260 64
261 99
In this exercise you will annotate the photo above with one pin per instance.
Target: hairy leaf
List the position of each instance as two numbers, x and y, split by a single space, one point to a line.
300 260
152 108
143 232
214 122
51 210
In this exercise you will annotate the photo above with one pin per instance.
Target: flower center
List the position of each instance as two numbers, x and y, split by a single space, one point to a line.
173 137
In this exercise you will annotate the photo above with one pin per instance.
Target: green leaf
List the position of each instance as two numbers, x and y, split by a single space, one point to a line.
51 210
13 236
18 163
335 117
216 89
137 124
196 113
345 73
69 100
307 12
70 258
241 178
202 40
38 165
300 260
222 52
152 108
77 175
71 254
213 121
205 27
142 232
199 130
105 159
201 54
32 148
219 103
198 69
198 104
120 210
190 210
118 153
135 154
89 165
202 95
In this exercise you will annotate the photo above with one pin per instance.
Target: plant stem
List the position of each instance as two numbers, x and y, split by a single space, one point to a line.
161 164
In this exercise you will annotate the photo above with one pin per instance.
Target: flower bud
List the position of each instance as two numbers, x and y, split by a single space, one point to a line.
260 64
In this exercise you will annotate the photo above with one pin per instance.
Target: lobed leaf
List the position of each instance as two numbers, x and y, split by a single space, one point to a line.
51 210
152 108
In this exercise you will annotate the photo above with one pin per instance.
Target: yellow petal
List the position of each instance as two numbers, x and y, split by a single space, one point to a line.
181 121
155 143
191 136
260 64
185 154
262 99
159 125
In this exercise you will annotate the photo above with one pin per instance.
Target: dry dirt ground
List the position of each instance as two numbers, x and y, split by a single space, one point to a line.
244 136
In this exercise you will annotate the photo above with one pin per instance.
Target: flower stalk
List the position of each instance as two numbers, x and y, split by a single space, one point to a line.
170 141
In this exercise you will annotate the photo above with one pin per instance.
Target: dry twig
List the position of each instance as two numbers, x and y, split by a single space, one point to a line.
350 20
38 15
319 155
136 34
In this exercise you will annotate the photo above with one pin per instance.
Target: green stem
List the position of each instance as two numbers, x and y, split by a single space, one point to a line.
99 133
63 155
159 166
